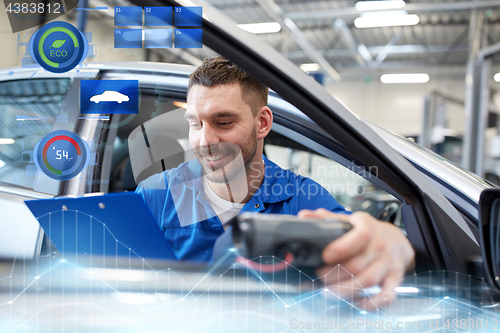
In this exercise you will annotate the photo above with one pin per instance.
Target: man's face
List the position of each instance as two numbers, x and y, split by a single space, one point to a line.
221 125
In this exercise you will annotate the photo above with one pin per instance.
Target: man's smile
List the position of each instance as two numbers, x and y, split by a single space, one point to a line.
216 160
214 157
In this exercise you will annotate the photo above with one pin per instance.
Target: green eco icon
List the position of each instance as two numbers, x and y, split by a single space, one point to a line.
58 47
58 43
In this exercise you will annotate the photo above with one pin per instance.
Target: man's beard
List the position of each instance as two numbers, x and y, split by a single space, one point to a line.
237 163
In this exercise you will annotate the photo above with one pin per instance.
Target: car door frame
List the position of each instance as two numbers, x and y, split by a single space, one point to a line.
445 237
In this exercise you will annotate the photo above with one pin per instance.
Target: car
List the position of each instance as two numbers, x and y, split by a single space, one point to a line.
436 203
110 96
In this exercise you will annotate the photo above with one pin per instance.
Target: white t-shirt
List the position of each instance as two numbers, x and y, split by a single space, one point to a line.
224 209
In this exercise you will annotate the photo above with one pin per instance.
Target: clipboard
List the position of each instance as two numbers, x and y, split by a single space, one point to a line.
117 224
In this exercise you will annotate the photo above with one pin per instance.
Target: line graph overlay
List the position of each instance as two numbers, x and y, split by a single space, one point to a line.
138 297
129 291
85 242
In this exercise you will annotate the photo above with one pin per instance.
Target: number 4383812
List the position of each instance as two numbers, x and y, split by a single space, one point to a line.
33 8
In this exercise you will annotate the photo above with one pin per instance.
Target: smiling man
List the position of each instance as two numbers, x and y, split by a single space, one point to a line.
228 120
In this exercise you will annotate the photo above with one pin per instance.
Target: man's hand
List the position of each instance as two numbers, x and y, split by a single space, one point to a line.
374 252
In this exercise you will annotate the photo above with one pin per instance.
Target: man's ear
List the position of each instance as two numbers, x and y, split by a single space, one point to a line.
265 119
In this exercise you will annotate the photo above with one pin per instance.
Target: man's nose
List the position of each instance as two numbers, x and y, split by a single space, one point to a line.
208 136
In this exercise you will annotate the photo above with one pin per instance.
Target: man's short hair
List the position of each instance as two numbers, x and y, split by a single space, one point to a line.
218 70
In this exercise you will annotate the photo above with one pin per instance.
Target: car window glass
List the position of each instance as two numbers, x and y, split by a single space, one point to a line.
29 110
351 190
153 141
157 139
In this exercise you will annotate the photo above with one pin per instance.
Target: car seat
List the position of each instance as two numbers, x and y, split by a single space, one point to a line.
151 150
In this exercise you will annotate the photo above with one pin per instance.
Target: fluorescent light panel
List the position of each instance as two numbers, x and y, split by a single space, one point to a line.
180 104
376 5
405 78
376 21
261 28
311 67
496 77
384 13
6 141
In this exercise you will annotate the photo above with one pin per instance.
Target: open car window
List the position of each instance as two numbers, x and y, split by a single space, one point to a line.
156 140
29 110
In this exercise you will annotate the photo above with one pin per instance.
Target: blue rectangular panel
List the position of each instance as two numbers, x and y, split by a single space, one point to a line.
188 16
128 16
117 224
158 16
128 38
188 38
109 96
158 38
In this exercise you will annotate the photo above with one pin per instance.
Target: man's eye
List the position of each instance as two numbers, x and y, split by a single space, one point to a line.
224 123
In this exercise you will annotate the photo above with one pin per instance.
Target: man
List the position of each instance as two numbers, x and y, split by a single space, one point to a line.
228 120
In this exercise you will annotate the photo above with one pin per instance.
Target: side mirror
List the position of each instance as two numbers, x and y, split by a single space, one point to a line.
489 231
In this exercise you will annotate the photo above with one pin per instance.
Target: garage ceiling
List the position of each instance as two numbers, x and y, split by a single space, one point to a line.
447 35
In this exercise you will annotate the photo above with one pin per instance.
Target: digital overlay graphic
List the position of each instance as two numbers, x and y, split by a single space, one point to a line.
158 16
58 47
109 97
188 38
61 155
189 18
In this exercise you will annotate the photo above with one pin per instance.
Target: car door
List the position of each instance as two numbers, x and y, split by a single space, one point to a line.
438 232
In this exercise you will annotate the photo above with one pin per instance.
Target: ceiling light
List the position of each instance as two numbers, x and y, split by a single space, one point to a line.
261 28
311 67
405 78
376 5
180 104
496 77
384 13
384 20
7 141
